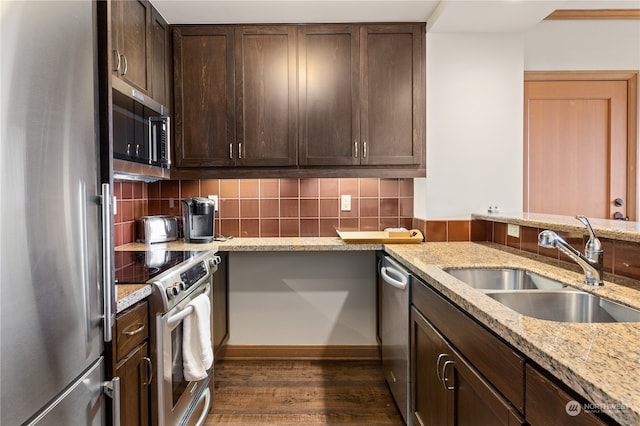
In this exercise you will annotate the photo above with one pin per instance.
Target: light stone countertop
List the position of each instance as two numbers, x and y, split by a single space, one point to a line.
601 362
129 294
259 244
604 228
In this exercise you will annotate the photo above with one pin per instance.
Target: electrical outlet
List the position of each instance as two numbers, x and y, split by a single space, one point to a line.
215 200
345 203
513 230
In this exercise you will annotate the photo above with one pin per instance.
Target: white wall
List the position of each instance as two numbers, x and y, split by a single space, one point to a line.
474 124
302 298
475 106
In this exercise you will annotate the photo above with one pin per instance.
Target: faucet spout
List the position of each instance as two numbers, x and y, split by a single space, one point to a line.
591 262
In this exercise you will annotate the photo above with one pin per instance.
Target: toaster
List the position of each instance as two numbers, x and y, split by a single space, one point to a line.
157 229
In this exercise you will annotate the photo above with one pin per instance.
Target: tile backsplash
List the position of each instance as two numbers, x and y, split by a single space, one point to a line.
274 207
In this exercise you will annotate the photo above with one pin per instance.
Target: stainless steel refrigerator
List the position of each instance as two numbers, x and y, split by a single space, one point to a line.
51 294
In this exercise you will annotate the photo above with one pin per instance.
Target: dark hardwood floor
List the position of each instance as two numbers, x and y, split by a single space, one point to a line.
302 393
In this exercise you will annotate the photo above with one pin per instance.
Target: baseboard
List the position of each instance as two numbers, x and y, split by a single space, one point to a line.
302 352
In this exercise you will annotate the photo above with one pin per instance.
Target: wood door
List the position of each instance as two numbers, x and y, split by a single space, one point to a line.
329 72
134 373
204 95
392 94
432 402
578 155
266 93
160 61
130 27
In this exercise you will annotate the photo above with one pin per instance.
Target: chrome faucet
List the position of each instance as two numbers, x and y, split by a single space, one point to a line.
592 260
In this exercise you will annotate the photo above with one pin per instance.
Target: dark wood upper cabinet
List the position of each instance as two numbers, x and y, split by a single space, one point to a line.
204 96
328 73
266 94
393 93
362 94
299 100
161 58
130 41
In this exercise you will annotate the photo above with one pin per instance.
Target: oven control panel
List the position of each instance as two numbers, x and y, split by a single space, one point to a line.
188 278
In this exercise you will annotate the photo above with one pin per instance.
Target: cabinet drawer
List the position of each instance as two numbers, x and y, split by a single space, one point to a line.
132 328
548 404
496 361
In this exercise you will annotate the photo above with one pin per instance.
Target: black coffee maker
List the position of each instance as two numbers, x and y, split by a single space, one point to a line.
198 220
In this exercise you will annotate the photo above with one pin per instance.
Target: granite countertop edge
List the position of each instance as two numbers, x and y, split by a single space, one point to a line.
604 228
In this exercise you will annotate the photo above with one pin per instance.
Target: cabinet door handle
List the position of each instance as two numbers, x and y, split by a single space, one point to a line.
141 327
440 358
118 62
126 65
240 150
149 371
444 375
230 151
364 149
355 149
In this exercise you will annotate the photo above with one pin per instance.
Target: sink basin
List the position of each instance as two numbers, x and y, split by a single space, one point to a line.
504 279
565 306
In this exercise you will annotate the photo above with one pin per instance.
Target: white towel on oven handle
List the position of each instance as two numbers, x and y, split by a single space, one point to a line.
197 355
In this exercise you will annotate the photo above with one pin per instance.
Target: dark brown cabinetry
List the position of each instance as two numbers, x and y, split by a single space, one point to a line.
160 60
462 374
448 389
133 365
361 94
296 101
220 304
235 96
130 41
204 86
547 403
266 108
141 48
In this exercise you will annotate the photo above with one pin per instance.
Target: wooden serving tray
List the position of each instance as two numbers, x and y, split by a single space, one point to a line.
381 237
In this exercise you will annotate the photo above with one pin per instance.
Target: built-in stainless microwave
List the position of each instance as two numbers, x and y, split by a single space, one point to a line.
140 127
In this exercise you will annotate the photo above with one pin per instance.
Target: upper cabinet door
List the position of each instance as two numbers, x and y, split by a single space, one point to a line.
328 75
160 61
392 94
204 96
266 94
130 41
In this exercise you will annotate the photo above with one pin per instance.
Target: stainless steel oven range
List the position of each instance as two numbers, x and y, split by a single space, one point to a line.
178 278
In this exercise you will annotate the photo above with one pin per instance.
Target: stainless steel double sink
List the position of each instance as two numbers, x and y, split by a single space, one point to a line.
544 298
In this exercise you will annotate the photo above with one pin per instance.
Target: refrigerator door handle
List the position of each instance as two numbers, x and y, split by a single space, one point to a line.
112 390
109 315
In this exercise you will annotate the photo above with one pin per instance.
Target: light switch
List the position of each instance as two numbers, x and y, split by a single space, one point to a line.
345 203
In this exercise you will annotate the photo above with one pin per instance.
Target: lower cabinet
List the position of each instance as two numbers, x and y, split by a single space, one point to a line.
462 374
133 364
447 389
220 304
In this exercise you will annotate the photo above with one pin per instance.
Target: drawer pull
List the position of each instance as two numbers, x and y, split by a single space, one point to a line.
149 371
136 331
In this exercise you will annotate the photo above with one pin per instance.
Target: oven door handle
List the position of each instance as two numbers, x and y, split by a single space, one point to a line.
175 319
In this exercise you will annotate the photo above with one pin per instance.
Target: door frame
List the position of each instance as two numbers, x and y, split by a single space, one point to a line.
631 77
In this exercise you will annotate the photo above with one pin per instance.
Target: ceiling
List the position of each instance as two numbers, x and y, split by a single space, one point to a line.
456 16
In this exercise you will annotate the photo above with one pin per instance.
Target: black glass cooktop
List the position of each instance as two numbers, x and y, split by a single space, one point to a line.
138 267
